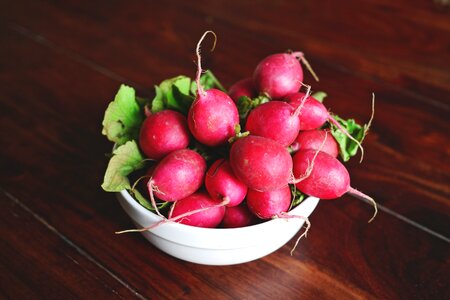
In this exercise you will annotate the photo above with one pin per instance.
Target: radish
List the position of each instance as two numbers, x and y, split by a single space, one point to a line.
261 163
316 140
198 210
162 133
221 183
269 204
275 120
177 176
327 177
314 115
279 75
238 216
241 88
213 115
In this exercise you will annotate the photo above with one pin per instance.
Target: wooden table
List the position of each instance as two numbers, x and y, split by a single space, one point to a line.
61 63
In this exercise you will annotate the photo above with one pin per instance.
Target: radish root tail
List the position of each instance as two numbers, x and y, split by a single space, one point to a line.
153 188
284 215
178 218
199 60
298 111
301 56
366 129
360 195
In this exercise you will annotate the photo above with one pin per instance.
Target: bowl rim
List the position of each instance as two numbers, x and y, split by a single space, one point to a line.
199 230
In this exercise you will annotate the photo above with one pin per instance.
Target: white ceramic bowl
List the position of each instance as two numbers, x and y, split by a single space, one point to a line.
217 246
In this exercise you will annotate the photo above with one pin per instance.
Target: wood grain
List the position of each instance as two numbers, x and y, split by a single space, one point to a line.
60 64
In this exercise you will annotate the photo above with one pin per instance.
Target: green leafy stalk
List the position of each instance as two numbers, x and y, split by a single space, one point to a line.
179 92
347 147
238 134
123 117
246 104
125 160
297 196
145 202
319 96
173 93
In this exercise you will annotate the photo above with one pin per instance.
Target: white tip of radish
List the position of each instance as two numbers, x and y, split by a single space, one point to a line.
365 198
199 59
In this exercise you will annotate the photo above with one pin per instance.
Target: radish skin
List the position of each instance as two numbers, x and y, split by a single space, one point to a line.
269 204
244 87
276 120
162 133
198 210
316 140
220 182
177 176
261 163
238 216
278 75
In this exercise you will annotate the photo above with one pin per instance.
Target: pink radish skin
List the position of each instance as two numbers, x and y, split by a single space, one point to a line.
213 116
177 175
210 215
275 120
313 113
278 75
261 163
328 178
269 204
241 88
162 133
221 183
238 216
317 140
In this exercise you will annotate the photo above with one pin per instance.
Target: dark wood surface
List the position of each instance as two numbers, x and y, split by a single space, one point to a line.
60 65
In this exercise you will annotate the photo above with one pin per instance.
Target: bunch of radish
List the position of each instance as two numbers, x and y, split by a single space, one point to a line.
198 167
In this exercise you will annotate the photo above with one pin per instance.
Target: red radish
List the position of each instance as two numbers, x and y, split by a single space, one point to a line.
275 120
238 216
278 75
241 88
327 179
269 204
314 114
197 210
281 74
221 183
177 176
261 163
316 140
213 116
162 133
